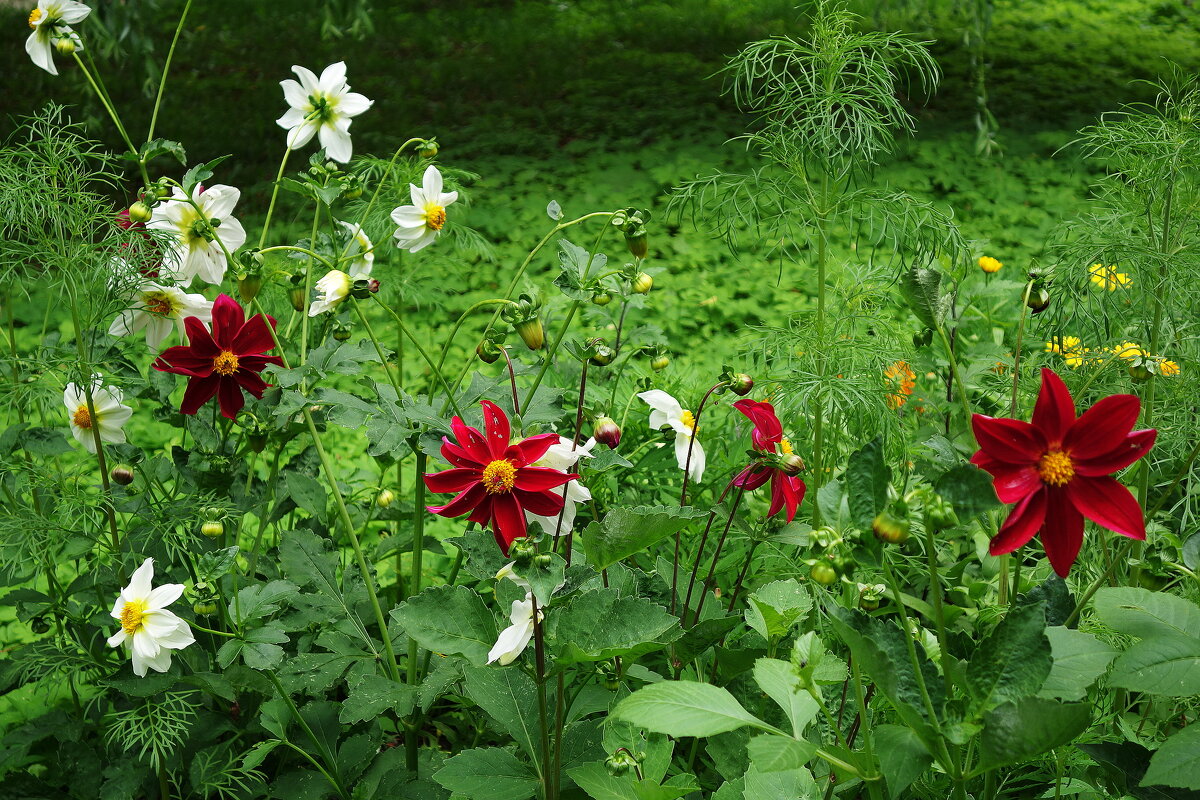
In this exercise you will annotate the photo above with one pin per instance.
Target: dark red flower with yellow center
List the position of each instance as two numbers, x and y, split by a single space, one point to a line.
1058 470
494 479
786 489
223 362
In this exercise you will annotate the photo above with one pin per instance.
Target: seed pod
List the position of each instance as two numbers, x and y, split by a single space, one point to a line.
637 244
249 286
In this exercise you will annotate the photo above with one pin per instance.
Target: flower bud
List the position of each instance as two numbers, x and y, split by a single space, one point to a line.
638 245
121 474
823 573
341 332
428 148
939 513
140 212
659 363
39 625
791 464
361 288
989 264
1138 371
889 528
531 332
204 608
65 46
213 528
257 441
249 286
642 283
607 432
601 298
488 351
1038 300
522 552
385 498
602 355
296 297
741 384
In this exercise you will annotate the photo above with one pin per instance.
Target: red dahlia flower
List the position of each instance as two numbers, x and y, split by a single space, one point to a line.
223 362
493 478
786 490
1057 470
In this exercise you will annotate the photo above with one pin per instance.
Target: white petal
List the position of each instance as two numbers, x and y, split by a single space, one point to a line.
144 644
163 596
118 638
139 587
333 78
41 51
232 234
408 217
308 81
431 181
71 12
218 201
295 96
302 134
291 118
446 198
336 143
352 104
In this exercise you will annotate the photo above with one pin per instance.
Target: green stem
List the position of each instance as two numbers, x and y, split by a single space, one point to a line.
308 282
939 618
463 318
308 731
420 349
962 389
162 81
262 238
102 96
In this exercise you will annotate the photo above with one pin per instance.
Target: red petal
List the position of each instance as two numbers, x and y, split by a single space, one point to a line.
1108 504
184 361
199 391
1022 524
230 396
508 519
767 429
255 363
496 428
544 504
1135 445
254 337
452 480
469 499
471 440
227 319
1062 535
1008 440
531 449
540 479
752 477
1011 481
1055 410
482 515
457 455
201 340
250 382
786 490
1103 427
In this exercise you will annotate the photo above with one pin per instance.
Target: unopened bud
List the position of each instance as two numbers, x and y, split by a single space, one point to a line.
642 284
607 432
385 498
249 286
372 286
140 212
741 384
213 528
638 245
204 609
488 351
601 298
791 464
659 363
122 474
531 332
296 297
65 46
602 355
1038 300
889 528
428 148
341 332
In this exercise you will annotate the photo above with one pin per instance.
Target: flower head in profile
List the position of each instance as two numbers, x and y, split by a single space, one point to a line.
157 309
989 264
666 412
358 250
109 415
148 630
224 361
495 480
323 107
422 222
787 490
563 456
334 288
1108 278
51 22
1057 470
513 640
900 381
195 231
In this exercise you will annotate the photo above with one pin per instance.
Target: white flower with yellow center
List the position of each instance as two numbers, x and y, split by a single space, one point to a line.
148 629
322 106
422 222
358 251
665 411
51 22
107 413
334 288
196 249
157 309
563 457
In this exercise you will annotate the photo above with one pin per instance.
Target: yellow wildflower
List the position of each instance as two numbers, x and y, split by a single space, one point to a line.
989 264
900 380
1108 277
1168 369
1129 351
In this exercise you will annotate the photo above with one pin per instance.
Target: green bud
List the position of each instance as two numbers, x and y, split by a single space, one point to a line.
642 283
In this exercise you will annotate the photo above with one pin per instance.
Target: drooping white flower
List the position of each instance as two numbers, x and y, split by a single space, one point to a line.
148 629
157 308
513 640
110 414
358 252
51 22
422 222
334 288
667 412
324 106
195 250
563 457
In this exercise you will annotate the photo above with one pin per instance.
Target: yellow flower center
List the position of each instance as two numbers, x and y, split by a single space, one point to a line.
158 303
82 418
225 364
785 447
435 217
688 420
34 16
133 616
499 476
1055 468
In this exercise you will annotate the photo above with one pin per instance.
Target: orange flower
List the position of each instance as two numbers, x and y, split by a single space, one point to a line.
900 380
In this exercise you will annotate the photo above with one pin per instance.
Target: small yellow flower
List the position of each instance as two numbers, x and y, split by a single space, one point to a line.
1071 349
1128 351
1168 369
1108 277
989 264
900 381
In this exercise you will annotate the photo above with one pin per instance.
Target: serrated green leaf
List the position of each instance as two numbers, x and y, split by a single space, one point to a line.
626 531
773 610
509 697
371 695
778 679
902 757
488 773
601 624
686 708
969 489
1013 661
308 492
158 147
778 753
449 620
921 288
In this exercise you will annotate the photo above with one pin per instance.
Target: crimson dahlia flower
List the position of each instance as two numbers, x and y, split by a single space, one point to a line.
1057 470
786 490
223 362
493 478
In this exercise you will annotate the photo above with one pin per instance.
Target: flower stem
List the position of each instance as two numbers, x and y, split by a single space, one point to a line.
462 318
105 101
539 649
262 237
712 570
162 81
420 349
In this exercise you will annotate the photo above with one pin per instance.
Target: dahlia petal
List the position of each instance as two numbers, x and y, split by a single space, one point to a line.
250 382
1062 535
199 337
1135 445
471 440
1022 524
496 429
786 491
256 363
543 504
253 338
1107 503
1103 427
767 428
456 455
452 480
752 477
182 360
470 498
230 397
541 479
1008 440
199 391
1055 410
482 515
1011 481
508 520
532 449
227 320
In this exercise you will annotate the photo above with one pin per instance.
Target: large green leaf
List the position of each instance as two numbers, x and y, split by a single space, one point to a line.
969 489
1145 614
778 679
773 609
686 708
1177 762
626 531
371 695
1014 660
1166 665
902 757
794 784
771 753
601 624
488 773
509 697
1079 659
449 619
1028 727
866 481
921 287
